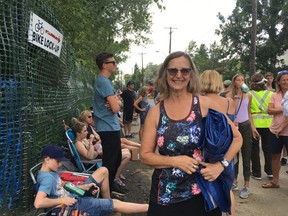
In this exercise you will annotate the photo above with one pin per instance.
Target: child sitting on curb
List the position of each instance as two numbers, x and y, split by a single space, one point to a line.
51 193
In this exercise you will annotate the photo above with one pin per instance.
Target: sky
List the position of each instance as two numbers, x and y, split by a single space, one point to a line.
190 20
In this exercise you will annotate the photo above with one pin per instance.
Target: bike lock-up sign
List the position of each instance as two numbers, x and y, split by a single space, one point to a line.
43 35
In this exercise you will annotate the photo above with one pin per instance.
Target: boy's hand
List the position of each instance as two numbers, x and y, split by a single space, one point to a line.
88 186
92 191
69 201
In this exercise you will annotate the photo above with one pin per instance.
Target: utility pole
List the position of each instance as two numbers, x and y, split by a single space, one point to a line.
170 38
253 38
142 70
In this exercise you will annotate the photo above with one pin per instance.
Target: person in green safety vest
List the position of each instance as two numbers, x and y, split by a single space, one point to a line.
262 121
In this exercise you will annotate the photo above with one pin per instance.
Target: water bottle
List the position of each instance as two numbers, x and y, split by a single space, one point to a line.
73 188
244 88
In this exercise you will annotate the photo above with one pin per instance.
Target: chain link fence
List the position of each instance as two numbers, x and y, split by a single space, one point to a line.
38 91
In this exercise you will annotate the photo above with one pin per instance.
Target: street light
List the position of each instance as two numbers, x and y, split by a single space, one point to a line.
158 51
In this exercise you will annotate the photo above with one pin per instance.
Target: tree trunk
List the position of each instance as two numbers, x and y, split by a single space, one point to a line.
253 38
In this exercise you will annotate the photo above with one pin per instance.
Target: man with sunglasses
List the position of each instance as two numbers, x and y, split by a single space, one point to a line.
106 105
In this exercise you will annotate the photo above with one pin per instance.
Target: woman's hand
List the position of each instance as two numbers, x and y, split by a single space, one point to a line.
185 163
255 134
211 171
92 139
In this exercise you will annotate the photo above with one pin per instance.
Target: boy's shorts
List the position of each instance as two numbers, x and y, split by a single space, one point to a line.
92 205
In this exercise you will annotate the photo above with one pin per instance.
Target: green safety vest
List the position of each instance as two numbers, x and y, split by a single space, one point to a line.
259 108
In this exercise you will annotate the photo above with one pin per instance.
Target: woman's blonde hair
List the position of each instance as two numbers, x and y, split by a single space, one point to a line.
143 91
84 114
211 82
161 83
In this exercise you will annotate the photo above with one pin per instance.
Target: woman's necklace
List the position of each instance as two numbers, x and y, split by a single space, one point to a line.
238 95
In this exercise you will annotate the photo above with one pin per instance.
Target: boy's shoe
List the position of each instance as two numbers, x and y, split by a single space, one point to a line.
234 187
118 189
244 194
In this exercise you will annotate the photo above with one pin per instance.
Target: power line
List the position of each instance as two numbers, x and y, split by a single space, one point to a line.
170 39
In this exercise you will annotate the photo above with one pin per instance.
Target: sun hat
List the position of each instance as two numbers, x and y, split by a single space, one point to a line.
54 152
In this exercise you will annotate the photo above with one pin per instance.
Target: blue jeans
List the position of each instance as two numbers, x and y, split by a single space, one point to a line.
142 117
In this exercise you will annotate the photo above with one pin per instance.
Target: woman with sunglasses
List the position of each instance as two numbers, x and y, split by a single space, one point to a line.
278 138
87 118
173 127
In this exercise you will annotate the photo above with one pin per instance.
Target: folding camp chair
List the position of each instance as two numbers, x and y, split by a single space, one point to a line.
92 164
74 177
33 173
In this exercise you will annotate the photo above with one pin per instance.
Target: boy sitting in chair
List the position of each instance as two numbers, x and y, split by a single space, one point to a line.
51 193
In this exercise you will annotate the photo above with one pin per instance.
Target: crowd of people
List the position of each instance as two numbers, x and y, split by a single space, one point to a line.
175 140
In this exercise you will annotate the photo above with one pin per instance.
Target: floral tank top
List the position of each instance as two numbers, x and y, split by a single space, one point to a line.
181 137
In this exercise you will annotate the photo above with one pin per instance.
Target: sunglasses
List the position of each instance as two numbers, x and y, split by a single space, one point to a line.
284 71
174 71
110 62
89 116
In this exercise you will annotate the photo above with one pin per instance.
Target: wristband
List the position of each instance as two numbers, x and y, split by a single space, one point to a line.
62 201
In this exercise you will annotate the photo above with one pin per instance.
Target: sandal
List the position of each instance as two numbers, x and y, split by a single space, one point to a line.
270 185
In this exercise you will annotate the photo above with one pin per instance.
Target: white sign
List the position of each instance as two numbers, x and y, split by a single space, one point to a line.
43 35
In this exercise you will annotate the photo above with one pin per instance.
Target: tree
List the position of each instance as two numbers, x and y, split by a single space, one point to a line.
92 26
137 77
150 73
271 35
212 58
